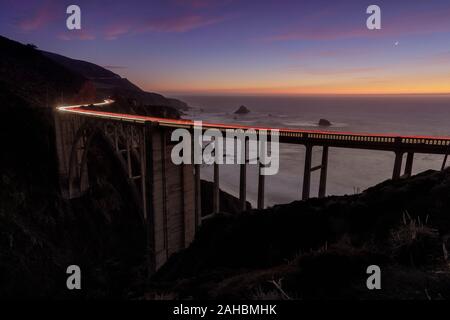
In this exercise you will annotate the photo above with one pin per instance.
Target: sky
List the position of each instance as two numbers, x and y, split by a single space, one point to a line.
249 47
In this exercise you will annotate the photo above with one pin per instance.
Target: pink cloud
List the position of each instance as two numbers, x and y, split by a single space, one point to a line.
112 32
40 18
169 25
76 35
180 24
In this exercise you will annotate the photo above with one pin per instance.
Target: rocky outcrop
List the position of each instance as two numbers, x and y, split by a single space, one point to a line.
324 123
242 110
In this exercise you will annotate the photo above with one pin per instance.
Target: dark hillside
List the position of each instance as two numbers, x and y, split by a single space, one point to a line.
108 83
27 73
322 247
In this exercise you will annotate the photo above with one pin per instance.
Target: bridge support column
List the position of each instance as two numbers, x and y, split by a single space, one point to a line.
243 181
307 173
243 187
323 173
261 182
444 163
164 192
397 165
196 146
148 208
409 164
198 196
216 189
129 142
169 193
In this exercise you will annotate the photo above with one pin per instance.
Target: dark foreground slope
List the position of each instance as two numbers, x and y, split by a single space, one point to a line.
321 248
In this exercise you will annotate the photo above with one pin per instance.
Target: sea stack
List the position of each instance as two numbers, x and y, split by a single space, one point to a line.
324 123
242 110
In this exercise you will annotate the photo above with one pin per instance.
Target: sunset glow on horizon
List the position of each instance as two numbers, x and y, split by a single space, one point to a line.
241 47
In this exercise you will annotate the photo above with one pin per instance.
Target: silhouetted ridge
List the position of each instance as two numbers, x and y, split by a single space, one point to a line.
108 83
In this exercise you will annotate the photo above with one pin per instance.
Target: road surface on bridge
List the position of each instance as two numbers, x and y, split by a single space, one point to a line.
371 141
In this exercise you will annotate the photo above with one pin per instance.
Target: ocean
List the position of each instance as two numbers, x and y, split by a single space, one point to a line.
349 170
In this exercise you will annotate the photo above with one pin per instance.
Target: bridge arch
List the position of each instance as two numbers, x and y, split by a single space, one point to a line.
114 138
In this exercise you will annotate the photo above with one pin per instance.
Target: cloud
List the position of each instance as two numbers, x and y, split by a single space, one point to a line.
180 24
406 24
329 53
76 35
112 32
336 71
38 19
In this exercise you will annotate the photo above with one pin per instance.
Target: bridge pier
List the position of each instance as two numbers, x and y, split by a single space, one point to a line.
171 197
307 173
409 164
323 173
323 167
243 182
261 185
198 196
216 189
147 190
129 142
164 181
397 165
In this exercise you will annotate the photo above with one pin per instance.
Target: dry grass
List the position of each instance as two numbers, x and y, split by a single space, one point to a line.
161 296
411 230
260 294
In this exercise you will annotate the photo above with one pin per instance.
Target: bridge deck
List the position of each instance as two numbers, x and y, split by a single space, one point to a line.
387 142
